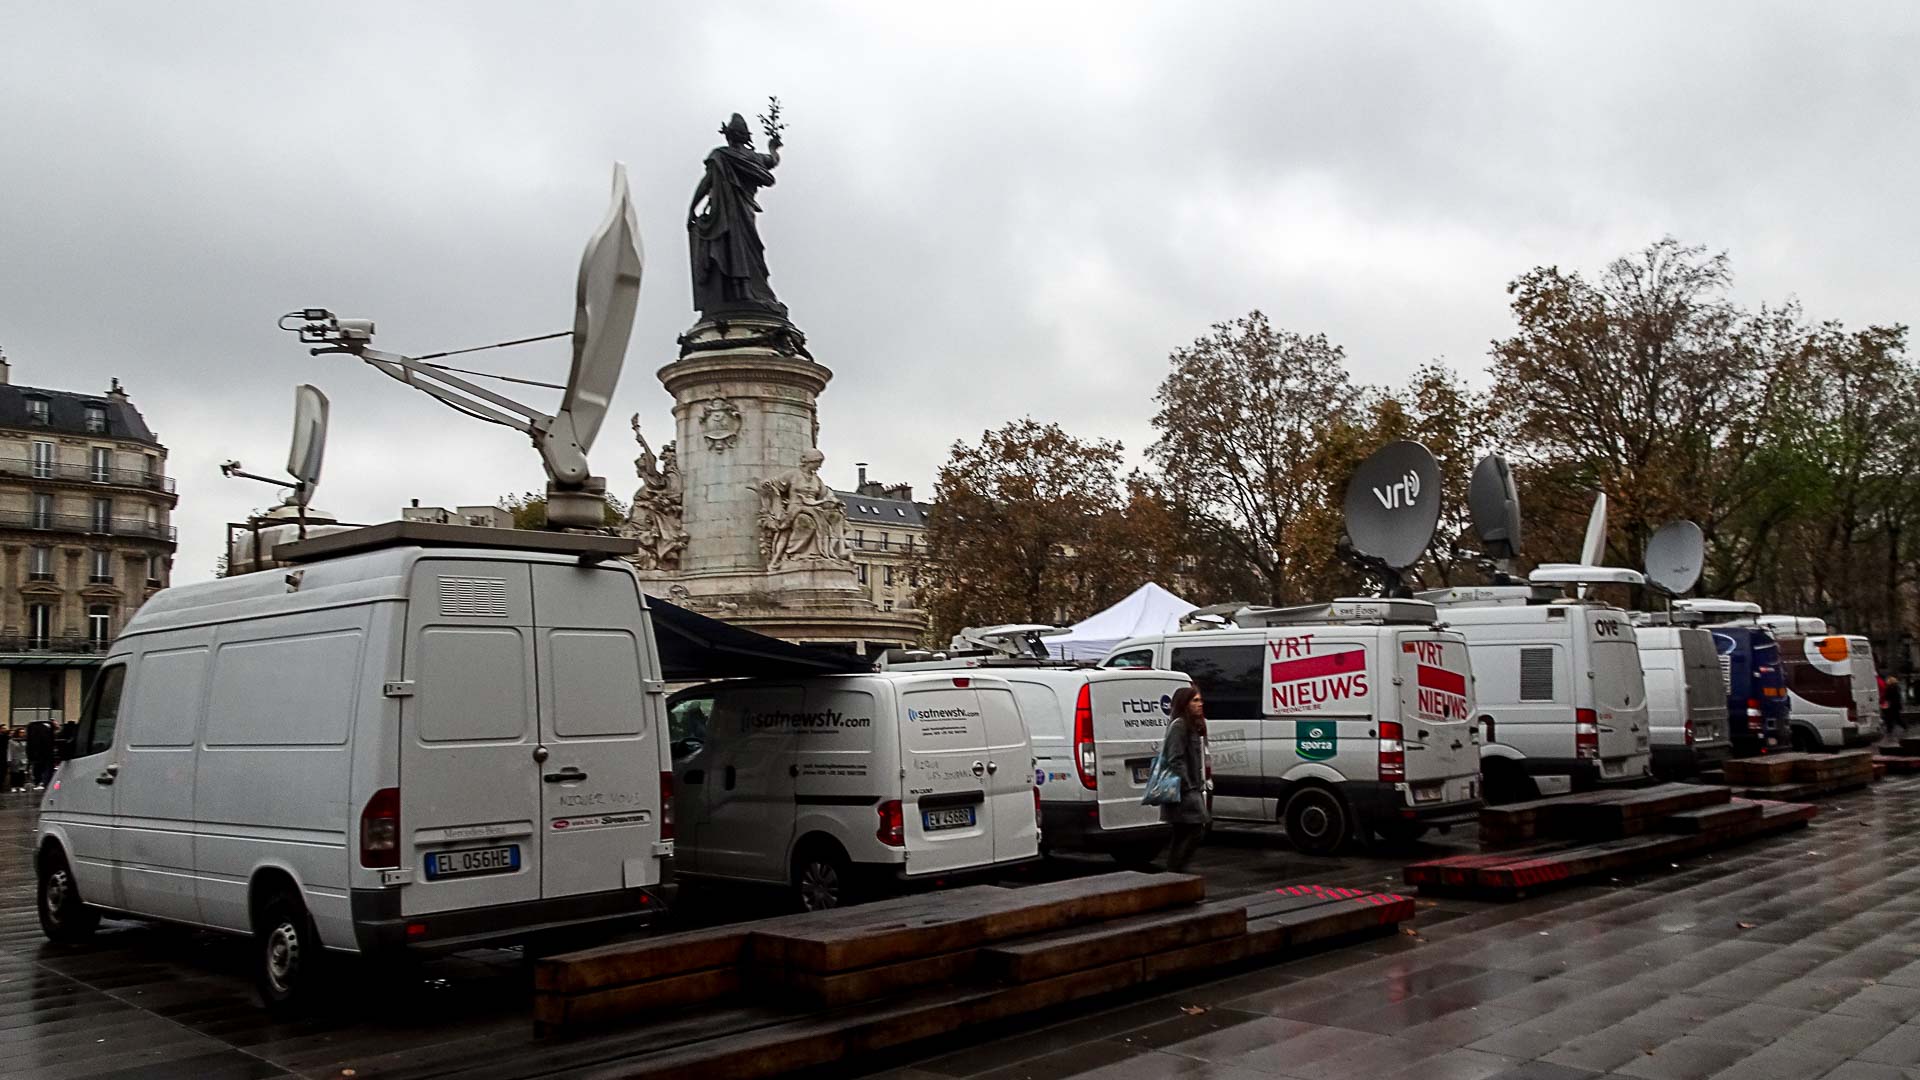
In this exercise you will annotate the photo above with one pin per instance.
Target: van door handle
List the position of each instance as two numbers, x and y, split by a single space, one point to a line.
567 775
993 766
979 768
107 775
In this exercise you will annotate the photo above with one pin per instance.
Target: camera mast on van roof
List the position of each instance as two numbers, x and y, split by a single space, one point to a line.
588 546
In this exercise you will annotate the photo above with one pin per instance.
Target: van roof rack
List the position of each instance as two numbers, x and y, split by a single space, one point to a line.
1583 574
1489 595
1805 625
589 547
1364 610
1676 617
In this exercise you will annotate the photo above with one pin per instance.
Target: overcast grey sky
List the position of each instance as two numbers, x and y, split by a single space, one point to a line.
984 211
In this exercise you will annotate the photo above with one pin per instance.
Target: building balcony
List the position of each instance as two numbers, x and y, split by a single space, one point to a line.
69 473
32 645
84 524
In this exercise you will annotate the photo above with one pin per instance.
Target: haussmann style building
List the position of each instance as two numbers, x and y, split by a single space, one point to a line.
86 535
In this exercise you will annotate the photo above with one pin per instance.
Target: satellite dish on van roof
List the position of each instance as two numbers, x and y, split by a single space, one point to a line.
1393 504
1595 544
606 293
1495 507
309 446
1675 556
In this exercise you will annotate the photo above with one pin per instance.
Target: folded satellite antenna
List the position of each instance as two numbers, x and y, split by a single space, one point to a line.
1588 570
1494 505
1392 508
1675 555
304 456
605 296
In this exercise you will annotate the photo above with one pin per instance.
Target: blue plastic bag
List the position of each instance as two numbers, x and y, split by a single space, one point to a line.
1163 784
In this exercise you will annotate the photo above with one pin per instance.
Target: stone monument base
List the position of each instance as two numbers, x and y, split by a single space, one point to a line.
816 603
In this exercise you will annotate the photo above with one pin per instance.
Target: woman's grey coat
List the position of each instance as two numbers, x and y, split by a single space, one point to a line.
1186 757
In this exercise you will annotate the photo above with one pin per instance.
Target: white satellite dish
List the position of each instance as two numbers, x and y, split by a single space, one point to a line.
1393 505
309 446
1594 547
606 294
1675 556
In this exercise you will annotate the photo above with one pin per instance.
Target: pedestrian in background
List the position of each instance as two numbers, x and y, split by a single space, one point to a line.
17 759
1185 754
40 752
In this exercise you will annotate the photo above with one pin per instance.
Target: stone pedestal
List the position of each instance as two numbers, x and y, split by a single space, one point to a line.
744 407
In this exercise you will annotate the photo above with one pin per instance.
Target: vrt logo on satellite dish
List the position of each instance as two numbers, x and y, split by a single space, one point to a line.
1402 492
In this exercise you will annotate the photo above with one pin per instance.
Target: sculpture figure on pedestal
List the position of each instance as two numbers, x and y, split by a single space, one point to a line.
801 519
729 261
656 518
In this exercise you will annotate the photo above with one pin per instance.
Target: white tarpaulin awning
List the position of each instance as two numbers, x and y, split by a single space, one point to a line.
1149 609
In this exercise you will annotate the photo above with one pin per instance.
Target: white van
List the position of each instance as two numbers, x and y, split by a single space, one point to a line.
1833 690
1561 688
1686 699
834 785
397 746
1338 720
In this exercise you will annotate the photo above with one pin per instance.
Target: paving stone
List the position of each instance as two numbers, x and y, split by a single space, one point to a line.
1901 1046
1685 1058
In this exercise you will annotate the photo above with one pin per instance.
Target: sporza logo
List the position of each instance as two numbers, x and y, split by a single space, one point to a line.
1399 494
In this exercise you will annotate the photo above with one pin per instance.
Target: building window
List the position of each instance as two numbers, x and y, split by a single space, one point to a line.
889 575
102 567
863 573
43 511
885 538
859 538
102 515
96 419
40 564
39 625
101 469
99 625
43 460
889 605
913 576
37 411
155 567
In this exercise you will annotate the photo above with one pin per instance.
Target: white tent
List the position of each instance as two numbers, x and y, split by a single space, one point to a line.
1149 609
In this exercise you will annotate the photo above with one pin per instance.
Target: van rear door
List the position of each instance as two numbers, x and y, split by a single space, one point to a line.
943 746
1706 688
1436 713
1619 694
599 717
1866 684
1131 710
1009 781
469 785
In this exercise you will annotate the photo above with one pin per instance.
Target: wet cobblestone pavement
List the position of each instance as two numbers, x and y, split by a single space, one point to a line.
1796 957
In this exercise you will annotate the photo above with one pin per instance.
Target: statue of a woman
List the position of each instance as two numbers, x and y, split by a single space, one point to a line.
729 262
801 518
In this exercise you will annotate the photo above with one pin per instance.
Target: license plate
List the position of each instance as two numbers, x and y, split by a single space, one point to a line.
494 860
1429 792
1141 772
958 817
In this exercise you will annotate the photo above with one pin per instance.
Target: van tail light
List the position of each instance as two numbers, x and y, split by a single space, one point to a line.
1036 809
380 830
1083 756
1586 735
1393 751
1689 727
666 806
893 824
1754 719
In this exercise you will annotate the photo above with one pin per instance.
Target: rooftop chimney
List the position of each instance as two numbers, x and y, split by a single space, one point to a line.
116 393
6 369
862 466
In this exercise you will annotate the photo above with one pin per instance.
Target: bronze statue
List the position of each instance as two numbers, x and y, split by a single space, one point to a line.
729 262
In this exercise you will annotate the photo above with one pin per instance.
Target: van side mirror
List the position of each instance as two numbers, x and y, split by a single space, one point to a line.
63 746
1486 722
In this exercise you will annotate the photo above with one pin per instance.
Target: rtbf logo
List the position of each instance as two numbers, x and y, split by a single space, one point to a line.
1400 493
1148 706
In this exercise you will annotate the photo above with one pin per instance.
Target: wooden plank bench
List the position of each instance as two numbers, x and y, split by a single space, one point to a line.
1761 771
1731 814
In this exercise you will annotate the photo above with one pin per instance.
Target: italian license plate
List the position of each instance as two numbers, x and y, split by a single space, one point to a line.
494 860
1429 792
1141 770
956 817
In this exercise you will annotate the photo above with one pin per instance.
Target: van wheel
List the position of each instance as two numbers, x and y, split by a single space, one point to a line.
1316 821
1804 742
63 917
822 879
287 956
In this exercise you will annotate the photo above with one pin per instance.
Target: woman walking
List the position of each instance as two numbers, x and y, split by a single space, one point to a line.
1185 755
